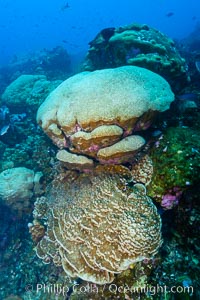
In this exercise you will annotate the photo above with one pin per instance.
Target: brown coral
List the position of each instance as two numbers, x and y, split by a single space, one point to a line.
37 231
142 170
122 151
90 142
98 226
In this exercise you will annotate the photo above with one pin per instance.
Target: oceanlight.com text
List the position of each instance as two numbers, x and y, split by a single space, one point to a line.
89 288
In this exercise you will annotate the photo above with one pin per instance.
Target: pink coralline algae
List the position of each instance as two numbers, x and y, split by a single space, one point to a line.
142 125
171 199
93 148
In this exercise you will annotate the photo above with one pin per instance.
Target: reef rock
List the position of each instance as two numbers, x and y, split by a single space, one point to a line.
17 186
97 226
96 113
137 45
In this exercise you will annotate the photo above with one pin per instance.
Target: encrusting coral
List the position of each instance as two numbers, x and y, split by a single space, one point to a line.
97 226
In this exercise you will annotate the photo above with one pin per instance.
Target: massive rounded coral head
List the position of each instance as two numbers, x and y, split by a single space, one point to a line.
95 110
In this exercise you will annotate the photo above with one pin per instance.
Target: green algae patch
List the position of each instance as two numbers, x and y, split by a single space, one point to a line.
176 159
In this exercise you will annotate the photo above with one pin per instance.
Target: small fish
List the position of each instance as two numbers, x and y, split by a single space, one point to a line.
197 64
188 96
195 150
65 6
160 211
17 117
169 14
187 282
4 110
156 133
4 129
165 149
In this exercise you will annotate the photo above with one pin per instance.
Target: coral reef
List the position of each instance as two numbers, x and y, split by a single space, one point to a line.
96 113
97 226
189 47
99 208
139 45
54 63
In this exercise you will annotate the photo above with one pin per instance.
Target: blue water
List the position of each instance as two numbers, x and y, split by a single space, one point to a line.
30 25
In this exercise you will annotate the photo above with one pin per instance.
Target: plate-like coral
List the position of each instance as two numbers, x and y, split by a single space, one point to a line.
97 226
